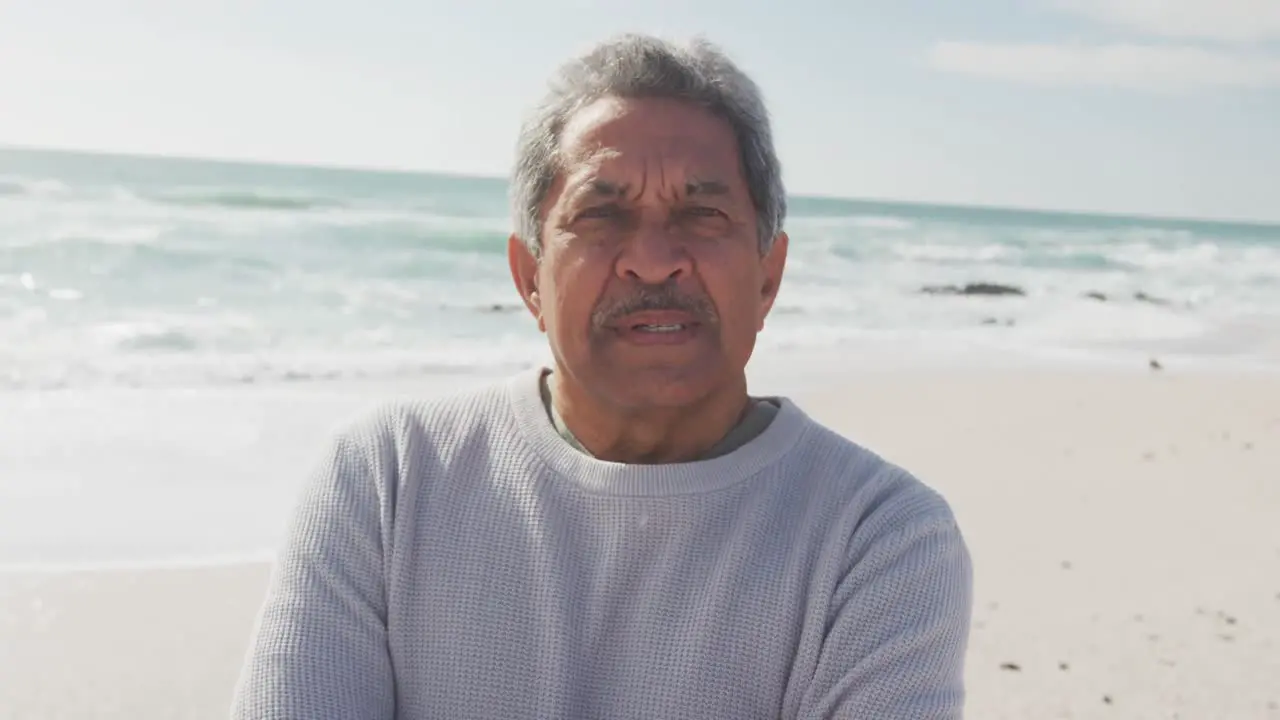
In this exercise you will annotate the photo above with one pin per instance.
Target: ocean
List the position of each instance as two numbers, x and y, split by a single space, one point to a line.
178 337
143 272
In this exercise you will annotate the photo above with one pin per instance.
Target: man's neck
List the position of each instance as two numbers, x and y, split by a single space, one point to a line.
660 435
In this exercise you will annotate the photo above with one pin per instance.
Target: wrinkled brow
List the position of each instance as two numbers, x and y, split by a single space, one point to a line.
693 188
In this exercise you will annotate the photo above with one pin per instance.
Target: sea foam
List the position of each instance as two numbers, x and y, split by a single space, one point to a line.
148 272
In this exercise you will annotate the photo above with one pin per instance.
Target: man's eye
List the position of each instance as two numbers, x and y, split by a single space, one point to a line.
702 211
600 211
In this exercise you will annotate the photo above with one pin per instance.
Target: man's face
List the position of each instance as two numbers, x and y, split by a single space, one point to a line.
651 286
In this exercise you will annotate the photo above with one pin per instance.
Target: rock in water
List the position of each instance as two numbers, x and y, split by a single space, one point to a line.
973 289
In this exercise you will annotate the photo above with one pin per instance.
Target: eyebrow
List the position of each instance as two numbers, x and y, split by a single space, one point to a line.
692 188
606 188
705 187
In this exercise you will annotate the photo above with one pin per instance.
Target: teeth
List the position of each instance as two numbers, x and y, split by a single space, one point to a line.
659 328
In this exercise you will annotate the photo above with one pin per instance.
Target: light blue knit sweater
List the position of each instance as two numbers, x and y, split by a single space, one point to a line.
459 559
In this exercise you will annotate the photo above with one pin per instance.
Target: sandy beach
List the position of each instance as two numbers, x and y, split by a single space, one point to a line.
1123 525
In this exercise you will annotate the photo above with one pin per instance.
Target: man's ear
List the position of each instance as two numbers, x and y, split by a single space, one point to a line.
773 263
524 271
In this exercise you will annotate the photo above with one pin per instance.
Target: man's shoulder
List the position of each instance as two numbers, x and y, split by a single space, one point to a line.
441 422
875 492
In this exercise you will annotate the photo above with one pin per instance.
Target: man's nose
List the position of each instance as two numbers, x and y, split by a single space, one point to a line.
653 255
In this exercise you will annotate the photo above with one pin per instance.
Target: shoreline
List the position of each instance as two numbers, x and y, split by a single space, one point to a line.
930 351
796 365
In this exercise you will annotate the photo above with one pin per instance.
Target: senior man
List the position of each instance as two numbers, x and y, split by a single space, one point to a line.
628 533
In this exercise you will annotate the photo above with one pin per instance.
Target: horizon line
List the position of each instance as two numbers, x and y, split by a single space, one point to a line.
1240 222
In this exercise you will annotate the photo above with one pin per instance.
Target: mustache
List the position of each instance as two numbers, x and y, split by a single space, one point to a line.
653 297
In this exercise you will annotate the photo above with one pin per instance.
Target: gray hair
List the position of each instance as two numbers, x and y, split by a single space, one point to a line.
640 66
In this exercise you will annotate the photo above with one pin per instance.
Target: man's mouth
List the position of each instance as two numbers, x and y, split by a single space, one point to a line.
658 327
665 328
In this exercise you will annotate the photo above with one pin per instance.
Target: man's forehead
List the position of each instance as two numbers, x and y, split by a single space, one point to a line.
608 172
622 153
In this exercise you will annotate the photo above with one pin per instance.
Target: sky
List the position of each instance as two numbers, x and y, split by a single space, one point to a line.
1132 106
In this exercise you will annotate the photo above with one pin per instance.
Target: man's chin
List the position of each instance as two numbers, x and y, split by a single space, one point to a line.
664 385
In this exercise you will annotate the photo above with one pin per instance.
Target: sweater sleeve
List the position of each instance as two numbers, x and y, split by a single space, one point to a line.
898 631
319 650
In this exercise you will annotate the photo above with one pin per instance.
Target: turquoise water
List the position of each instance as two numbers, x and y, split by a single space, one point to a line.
156 272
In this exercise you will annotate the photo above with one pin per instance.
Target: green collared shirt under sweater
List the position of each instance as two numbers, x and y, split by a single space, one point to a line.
756 419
